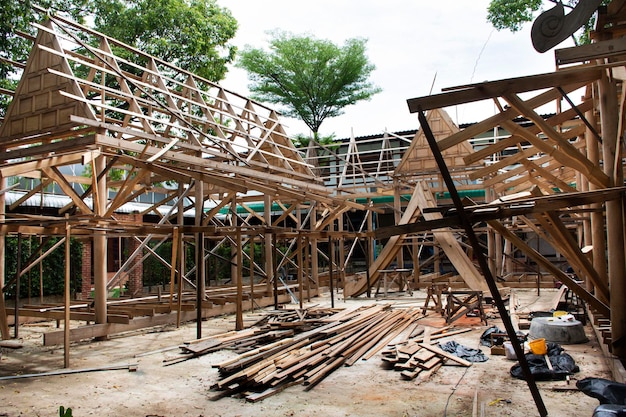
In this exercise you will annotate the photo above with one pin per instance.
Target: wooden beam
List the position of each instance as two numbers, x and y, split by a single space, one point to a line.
491 89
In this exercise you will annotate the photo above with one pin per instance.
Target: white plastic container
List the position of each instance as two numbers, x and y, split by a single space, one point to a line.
509 352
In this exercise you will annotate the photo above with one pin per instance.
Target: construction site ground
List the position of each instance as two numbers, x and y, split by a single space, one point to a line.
365 389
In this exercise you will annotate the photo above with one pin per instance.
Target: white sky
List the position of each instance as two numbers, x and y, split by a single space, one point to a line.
408 42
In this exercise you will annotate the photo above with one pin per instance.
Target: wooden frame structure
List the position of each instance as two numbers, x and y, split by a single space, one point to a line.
84 98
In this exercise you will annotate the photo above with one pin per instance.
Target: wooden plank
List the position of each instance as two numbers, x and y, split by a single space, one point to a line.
597 50
446 355
508 114
492 89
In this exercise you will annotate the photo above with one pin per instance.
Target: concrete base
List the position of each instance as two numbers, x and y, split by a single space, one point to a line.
558 331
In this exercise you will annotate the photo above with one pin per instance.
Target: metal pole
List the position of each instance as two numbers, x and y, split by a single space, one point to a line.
484 265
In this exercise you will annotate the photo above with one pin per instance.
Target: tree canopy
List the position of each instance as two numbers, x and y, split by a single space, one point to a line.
313 79
192 34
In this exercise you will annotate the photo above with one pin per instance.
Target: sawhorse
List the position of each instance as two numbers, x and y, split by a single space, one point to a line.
463 302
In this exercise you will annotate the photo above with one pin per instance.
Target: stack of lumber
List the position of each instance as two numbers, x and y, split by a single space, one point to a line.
282 355
417 356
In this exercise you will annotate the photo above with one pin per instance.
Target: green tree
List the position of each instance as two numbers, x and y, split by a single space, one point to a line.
313 79
191 34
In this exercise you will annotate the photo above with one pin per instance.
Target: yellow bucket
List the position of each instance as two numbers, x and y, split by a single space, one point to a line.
538 346
559 313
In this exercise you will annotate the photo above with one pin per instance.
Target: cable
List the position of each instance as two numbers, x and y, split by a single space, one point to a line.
445 410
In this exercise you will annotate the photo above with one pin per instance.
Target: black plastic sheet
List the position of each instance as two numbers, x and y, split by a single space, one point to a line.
464 352
605 390
562 365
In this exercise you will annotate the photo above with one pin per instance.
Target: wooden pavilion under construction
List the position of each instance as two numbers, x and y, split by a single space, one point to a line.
226 175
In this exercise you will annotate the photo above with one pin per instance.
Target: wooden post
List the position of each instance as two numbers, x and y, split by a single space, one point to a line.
251 243
397 216
369 255
180 220
596 217
66 321
4 322
307 264
368 244
200 269
314 253
300 262
173 265
239 317
100 242
331 254
614 223
273 244
268 248
340 260
18 273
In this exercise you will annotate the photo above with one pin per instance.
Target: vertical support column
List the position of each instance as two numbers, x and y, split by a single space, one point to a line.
397 216
100 242
180 221
369 255
596 217
331 261
4 323
269 263
341 258
66 292
614 222
251 271
314 254
239 315
200 265
300 269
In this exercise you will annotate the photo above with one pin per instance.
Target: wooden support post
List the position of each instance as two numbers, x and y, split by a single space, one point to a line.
200 265
307 270
331 251
251 244
597 236
180 220
4 322
314 253
273 244
341 258
397 215
66 321
614 215
268 247
300 263
369 255
173 266
18 273
99 182
239 315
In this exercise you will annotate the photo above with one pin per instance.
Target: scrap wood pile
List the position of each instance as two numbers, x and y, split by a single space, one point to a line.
416 356
281 354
